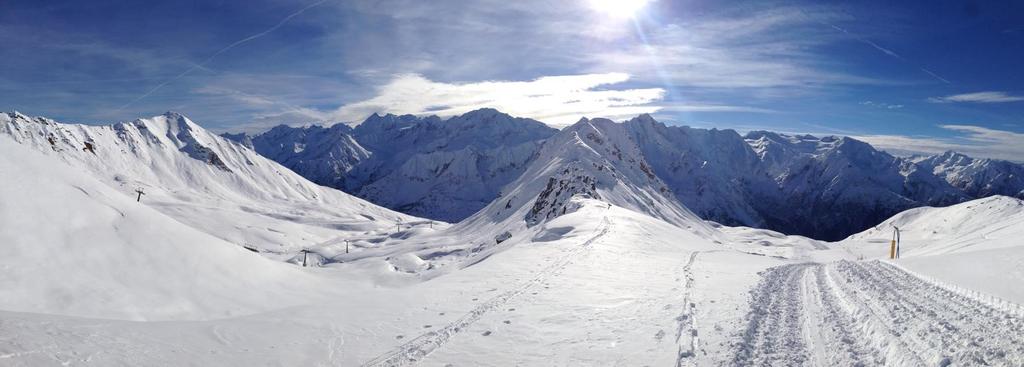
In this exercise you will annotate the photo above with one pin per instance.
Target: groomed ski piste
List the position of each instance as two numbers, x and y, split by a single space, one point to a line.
606 281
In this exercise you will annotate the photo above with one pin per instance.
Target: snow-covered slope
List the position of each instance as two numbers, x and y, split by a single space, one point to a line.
73 245
591 163
594 158
975 245
441 169
712 172
981 224
203 180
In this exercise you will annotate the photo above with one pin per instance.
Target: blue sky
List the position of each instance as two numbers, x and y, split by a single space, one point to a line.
908 76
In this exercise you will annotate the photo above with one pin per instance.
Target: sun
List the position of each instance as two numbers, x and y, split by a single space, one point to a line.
618 8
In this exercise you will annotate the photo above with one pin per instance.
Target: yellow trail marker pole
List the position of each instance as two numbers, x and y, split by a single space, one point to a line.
895 245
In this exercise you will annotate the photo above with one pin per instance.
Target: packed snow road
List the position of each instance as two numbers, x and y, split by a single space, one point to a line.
871 314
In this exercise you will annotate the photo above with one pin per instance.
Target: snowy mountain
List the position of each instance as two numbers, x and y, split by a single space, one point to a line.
976 177
323 155
833 186
592 166
440 169
593 158
74 245
822 187
825 188
203 180
712 172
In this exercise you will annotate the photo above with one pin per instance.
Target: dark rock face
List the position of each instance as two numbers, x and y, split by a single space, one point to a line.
554 200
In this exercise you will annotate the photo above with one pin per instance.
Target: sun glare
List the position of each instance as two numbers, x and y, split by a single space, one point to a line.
618 8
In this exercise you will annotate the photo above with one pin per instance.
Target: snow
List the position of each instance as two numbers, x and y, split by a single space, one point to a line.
547 291
975 245
205 181
599 263
74 246
449 169
605 285
441 169
977 177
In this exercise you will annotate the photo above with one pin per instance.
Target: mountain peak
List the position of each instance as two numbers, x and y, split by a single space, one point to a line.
486 111
645 118
173 115
376 123
590 123
952 154
170 121
15 114
758 134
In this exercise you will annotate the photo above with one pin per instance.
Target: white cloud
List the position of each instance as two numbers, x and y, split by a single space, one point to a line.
300 114
978 97
556 100
768 49
976 141
704 107
884 105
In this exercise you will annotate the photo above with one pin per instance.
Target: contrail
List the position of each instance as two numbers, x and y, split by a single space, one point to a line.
936 76
869 43
223 50
881 49
889 52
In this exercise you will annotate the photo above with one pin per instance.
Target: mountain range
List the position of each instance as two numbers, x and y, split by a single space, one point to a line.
428 167
447 169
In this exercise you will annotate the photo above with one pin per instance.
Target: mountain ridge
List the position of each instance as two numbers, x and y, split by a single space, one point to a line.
444 169
823 187
203 180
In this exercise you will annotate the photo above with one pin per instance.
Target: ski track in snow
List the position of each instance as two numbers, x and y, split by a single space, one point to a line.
870 314
418 348
774 334
687 320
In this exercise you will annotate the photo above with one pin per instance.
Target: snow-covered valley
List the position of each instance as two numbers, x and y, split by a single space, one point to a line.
589 255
